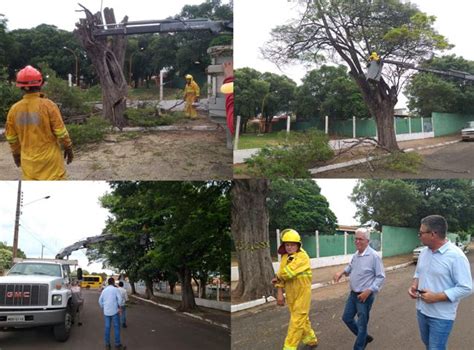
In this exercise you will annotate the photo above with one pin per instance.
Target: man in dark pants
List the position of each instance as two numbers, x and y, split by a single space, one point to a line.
367 276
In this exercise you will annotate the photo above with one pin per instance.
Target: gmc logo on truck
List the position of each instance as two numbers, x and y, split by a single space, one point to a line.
18 294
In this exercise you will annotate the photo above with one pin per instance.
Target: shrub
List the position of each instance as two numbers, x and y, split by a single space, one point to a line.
293 157
9 94
403 162
92 131
149 117
70 99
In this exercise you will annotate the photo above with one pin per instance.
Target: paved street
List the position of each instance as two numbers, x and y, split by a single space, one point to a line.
451 161
393 319
149 327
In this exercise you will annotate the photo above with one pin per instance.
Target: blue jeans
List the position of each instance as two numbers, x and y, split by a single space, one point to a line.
434 331
123 318
116 320
359 327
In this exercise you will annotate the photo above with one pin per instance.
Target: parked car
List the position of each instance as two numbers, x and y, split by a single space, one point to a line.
417 250
467 133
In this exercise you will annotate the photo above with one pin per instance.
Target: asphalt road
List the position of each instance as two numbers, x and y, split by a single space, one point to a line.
451 161
149 327
392 320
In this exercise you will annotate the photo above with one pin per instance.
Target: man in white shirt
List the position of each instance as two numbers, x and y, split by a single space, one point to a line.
110 300
123 307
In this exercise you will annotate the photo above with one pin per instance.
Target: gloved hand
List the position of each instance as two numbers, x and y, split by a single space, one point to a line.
68 154
17 159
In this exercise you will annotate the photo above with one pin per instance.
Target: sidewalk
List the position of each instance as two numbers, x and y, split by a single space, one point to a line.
323 277
216 317
241 155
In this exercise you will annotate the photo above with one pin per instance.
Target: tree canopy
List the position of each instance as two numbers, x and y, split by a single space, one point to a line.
405 202
299 204
6 256
349 31
329 91
167 230
429 92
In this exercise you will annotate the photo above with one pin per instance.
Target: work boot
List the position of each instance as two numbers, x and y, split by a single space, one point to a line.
312 345
107 347
124 325
120 347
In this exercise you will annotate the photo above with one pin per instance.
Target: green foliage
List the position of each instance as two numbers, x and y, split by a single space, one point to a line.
403 162
249 91
92 131
428 92
164 227
6 256
70 100
299 204
405 202
9 94
149 116
224 39
329 91
293 157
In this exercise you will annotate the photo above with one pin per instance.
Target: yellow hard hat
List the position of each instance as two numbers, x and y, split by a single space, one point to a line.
290 235
189 76
227 88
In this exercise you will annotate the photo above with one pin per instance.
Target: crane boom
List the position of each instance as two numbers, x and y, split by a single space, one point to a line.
163 26
84 244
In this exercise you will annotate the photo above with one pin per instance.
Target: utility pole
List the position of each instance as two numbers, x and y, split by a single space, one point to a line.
17 220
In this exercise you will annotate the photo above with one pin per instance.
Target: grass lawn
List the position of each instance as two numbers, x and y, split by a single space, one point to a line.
259 140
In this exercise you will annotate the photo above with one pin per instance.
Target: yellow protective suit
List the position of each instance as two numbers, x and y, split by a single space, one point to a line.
34 127
295 276
191 93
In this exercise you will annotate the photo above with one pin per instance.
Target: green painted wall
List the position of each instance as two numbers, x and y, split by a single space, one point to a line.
365 128
399 240
402 125
449 123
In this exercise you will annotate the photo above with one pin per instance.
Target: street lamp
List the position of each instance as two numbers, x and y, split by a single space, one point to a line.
19 204
77 64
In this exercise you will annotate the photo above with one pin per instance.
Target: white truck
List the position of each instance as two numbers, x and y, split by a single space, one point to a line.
37 292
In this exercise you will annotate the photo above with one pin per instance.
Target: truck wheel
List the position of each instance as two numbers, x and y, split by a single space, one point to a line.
63 330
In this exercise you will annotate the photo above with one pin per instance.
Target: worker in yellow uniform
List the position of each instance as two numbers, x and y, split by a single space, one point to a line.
34 130
191 96
295 276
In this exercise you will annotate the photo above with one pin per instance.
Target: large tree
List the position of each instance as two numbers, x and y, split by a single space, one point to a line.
348 31
428 92
251 238
329 91
180 228
405 202
299 204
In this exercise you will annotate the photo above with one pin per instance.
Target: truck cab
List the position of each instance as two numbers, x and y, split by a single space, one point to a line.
37 292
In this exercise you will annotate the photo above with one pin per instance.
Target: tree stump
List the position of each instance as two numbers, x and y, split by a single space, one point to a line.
108 56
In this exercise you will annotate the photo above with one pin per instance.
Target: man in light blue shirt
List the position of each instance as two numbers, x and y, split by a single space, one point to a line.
442 278
110 300
366 278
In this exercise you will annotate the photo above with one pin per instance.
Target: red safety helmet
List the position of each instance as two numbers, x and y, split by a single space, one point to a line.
29 76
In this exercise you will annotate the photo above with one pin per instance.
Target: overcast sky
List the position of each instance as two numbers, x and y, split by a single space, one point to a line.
61 13
71 213
255 19
337 192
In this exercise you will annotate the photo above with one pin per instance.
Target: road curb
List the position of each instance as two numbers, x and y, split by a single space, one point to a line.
263 300
365 160
184 313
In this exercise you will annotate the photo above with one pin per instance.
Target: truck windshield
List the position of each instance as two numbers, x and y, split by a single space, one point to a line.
36 269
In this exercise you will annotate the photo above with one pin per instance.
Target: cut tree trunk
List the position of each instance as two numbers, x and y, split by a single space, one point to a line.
187 293
148 289
250 232
108 56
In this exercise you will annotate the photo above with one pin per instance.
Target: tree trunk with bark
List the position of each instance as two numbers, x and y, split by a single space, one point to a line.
250 232
381 99
148 289
108 56
132 285
187 293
